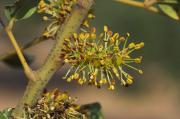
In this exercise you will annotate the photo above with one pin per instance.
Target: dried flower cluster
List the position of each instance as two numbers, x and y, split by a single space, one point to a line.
56 11
54 105
99 60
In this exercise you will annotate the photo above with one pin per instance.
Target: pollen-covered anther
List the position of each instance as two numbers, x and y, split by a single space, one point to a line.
69 79
131 45
81 81
114 37
139 46
75 76
86 23
106 29
45 18
42 6
122 38
141 71
103 81
66 60
46 34
87 20
138 60
93 33
129 81
111 87
91 16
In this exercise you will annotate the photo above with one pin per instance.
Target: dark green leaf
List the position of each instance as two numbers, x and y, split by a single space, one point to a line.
21 9
92 111
5 114
13 60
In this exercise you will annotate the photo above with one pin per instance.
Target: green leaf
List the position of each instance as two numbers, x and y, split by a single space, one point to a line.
92 111
170 8
5 114
21 9
29 13
14 62
169 11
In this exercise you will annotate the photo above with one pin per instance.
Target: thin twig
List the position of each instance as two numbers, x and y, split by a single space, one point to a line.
28 71
17 48
139 4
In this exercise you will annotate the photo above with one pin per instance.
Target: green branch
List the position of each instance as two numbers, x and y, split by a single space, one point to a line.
53 62
139 4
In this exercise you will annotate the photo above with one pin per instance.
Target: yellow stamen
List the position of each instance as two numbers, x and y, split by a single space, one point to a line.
106 29
129 81
111 87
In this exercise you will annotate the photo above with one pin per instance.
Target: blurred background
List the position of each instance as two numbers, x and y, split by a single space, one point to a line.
154 95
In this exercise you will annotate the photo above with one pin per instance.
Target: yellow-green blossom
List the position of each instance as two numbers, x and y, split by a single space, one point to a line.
100 59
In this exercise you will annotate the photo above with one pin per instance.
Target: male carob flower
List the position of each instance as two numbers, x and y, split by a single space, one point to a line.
56 11
100 59
54 105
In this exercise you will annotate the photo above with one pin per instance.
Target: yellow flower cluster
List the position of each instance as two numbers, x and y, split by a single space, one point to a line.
56 8
100 59
54 105
56 11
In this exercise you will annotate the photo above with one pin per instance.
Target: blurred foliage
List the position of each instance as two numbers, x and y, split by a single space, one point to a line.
21 9
170 8
14 62
92 111
5 114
